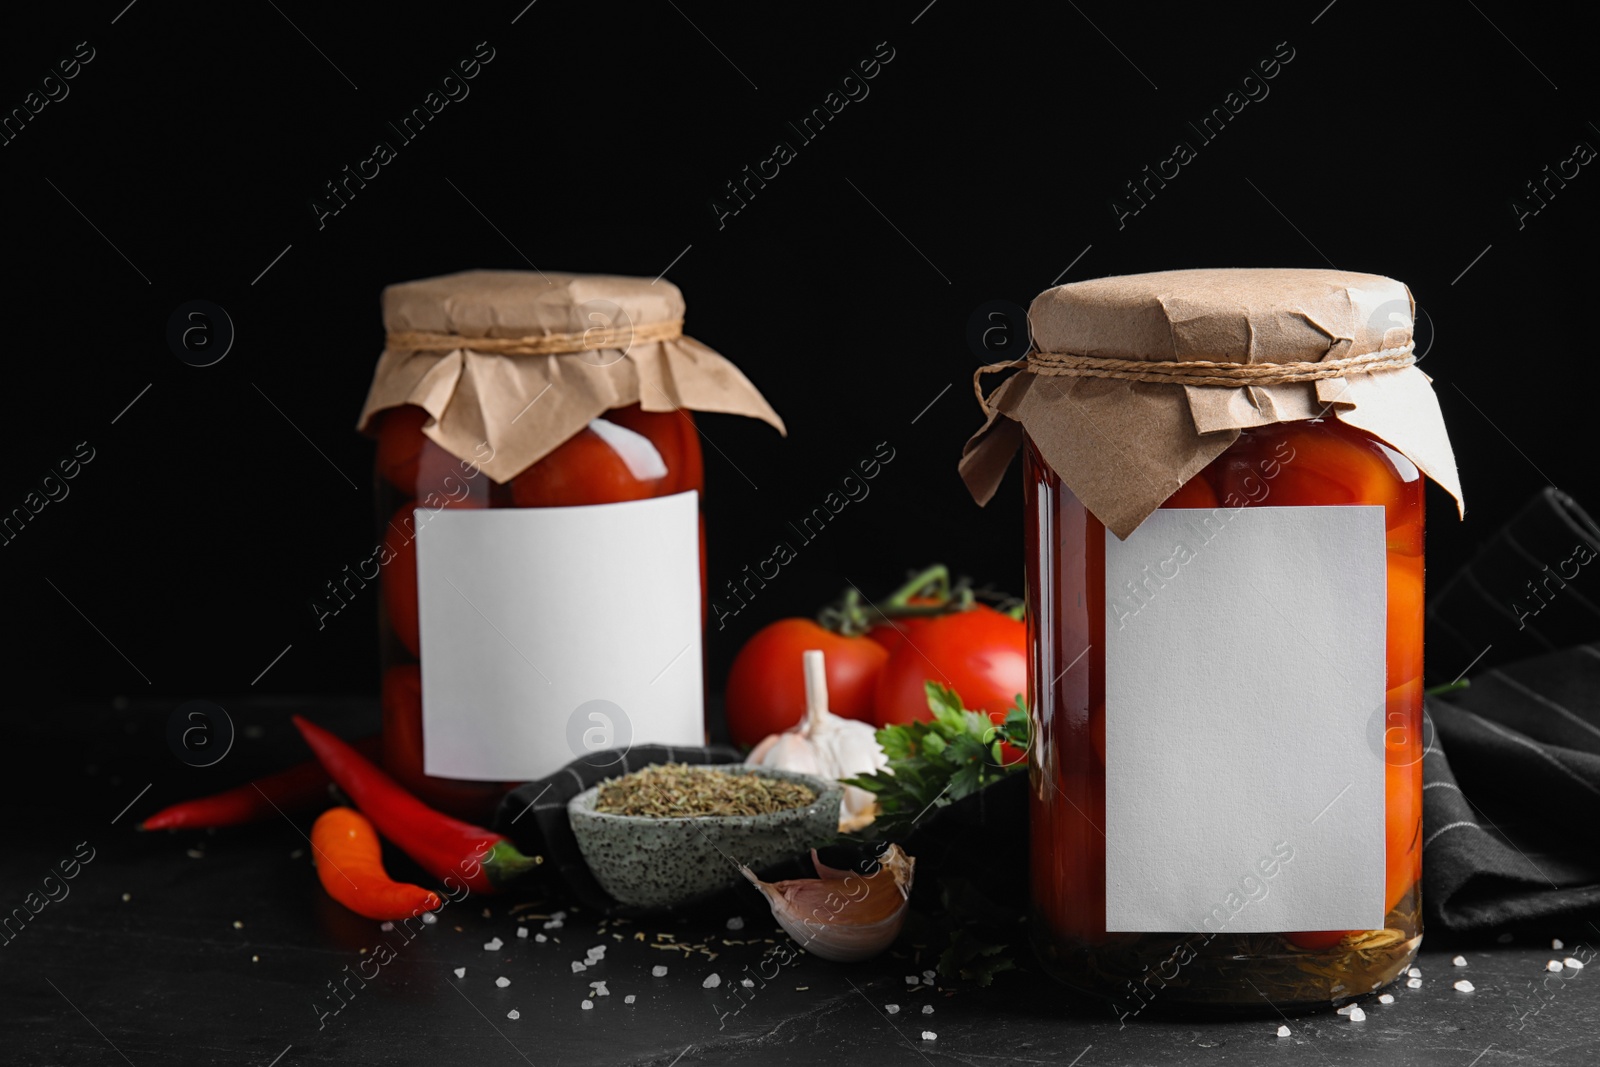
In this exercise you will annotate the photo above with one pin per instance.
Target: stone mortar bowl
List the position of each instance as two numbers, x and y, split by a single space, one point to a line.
655 862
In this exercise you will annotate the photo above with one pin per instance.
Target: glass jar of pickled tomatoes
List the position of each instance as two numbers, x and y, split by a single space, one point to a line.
1311 523
626 454
501 392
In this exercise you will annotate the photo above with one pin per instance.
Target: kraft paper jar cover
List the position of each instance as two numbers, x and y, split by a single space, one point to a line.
510 364
1123 446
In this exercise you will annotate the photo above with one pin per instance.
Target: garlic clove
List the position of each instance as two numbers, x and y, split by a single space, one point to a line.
843 916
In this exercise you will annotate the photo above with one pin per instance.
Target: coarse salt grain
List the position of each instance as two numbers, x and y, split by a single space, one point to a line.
929 1035
127 897
736 923
1413 983
1347 1009
598 952
1459 961
712 981
237 925
1574 963
927 1009
927 981
912 979
1358 1016
486 914
1464 986
386 927
578 965
502 981
461 972
522 931
1552 965
429 918
588 1004
513 1014
1283 1031
1415 972
1557 945
600 989
540 938
1386 998
747 983
628 999
659 971
892 1009
494 944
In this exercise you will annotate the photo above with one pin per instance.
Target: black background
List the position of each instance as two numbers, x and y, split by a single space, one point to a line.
981 167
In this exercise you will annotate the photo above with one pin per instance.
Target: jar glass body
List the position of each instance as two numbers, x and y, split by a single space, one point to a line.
654 454
1315 463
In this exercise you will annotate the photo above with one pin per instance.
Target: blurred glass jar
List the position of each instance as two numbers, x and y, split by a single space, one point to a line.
628 454
510 393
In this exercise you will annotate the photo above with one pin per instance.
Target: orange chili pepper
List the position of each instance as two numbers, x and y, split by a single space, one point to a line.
350 866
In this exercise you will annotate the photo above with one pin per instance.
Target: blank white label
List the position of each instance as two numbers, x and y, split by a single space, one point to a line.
548 633
1244 672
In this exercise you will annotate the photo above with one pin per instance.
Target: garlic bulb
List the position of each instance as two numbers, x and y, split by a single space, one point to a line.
840 915
826 745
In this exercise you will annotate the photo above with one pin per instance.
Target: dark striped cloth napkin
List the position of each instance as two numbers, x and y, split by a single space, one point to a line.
1533 587
1509 815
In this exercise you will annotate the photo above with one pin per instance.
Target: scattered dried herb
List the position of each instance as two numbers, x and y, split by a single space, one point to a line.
677 790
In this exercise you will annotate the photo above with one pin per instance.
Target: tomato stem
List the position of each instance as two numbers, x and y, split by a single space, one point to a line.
931 584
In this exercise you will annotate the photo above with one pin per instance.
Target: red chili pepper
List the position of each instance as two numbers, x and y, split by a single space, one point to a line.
350 866
442 846
291 791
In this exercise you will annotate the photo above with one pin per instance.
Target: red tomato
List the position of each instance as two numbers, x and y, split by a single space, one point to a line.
586 469
1316 940
1404 743
1312 464
892 633
1405 619
416 467
675 437
980 653
767 688
1405 539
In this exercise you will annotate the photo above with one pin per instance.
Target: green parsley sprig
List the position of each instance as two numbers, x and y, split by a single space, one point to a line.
938 762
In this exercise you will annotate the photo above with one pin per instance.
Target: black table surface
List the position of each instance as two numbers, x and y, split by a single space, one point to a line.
222 948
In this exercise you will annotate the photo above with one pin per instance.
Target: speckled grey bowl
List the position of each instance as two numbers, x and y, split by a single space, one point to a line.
653 862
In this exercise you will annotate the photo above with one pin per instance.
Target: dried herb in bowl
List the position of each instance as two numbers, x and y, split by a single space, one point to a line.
677 790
